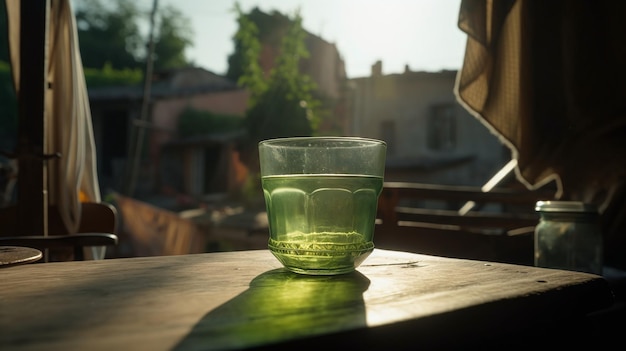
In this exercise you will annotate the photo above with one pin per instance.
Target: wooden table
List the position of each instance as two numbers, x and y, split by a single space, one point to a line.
235 300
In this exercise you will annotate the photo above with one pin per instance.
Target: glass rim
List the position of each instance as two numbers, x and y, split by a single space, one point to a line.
287 141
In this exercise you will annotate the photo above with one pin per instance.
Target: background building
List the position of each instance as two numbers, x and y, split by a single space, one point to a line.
431 138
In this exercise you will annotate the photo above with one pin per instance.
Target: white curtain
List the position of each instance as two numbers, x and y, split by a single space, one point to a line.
68 128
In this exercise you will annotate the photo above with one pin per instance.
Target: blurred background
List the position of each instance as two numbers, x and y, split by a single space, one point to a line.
182 91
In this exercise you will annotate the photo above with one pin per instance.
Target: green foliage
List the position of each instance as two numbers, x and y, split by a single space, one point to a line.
194 122
282 104
173 37
251 74
269 30
8 102
109 33
268 119
4 44
108 76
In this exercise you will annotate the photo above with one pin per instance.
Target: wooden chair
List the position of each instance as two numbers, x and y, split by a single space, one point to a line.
459 221
98 228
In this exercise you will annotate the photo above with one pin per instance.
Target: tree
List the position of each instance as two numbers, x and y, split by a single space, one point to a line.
111 34
173 37
282 104
283 109
270 29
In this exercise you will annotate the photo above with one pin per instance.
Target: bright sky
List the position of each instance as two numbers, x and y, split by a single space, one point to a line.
420 33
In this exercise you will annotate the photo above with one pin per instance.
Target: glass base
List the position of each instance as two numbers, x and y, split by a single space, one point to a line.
320 262
321 271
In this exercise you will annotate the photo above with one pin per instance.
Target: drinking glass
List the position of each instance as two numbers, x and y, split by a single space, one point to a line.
321 196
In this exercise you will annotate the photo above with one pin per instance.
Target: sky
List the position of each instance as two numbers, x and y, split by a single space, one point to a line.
422 34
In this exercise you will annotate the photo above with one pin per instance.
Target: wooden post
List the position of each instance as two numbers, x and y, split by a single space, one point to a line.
32 199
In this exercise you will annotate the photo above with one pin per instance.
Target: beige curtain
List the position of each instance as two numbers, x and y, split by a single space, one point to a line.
548 78
68 115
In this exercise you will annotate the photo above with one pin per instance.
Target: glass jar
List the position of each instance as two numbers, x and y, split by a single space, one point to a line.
568 236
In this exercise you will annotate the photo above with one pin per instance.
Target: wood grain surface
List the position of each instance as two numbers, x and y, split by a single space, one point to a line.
245 299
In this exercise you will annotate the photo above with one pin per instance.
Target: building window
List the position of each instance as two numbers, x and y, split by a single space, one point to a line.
388 134
442 128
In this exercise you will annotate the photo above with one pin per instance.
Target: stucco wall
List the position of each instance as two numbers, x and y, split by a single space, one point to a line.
407 100
165 112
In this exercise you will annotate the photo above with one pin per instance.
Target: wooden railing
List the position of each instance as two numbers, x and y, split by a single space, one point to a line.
459 221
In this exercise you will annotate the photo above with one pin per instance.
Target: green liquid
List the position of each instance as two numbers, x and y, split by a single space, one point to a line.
321 224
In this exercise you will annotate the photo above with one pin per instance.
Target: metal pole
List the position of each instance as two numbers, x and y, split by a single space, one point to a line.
137 143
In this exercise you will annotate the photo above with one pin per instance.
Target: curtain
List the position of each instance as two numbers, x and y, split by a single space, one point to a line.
68 128
548 79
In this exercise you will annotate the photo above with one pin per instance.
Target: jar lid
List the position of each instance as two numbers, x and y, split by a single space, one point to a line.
565 206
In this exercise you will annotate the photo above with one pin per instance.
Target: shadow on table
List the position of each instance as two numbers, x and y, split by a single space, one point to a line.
280 306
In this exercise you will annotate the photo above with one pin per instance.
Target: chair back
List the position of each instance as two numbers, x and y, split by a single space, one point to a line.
459 221
97 228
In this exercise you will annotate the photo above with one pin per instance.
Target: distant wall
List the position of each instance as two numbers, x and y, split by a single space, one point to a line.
165 112
404 110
